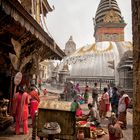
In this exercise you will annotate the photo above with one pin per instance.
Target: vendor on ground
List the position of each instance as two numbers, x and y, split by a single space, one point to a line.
93 115
79 112
114 129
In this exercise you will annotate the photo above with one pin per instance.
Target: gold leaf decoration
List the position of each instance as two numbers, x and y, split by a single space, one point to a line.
95 49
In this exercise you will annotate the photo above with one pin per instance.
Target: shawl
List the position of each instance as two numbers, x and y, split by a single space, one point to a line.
122 105
34 95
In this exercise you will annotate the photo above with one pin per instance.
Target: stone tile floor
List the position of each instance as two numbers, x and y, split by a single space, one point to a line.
9 134
126 133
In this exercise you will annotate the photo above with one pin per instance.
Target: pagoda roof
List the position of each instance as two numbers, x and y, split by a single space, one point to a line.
104 7
22 24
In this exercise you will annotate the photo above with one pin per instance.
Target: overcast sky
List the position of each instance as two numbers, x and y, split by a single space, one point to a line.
74 17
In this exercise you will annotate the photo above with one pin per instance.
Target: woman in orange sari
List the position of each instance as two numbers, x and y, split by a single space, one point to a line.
34 102
20 110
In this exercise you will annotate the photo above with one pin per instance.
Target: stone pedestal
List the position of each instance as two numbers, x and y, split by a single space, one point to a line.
62 76
54 78
5 119
5 122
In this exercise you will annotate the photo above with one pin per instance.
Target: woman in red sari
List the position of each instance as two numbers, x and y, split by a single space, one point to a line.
20 110
34 102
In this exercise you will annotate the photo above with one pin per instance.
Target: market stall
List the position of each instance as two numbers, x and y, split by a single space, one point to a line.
56 112
86 129
56 120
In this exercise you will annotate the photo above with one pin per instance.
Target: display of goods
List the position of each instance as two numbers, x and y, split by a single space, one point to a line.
93 135
100 132
92 128
82 122
51 125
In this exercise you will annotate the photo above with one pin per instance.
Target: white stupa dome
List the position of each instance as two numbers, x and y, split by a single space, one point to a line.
94 60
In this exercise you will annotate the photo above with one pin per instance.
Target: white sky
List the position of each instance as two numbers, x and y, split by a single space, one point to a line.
74 17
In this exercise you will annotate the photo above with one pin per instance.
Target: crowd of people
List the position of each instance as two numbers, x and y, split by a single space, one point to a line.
21 109
111 99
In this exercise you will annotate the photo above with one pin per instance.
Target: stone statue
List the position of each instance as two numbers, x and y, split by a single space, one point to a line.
3 108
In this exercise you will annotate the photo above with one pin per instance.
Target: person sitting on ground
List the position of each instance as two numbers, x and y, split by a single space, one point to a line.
93 115
114 129
79 112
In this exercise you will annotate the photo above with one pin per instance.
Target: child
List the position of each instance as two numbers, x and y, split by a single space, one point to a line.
114 128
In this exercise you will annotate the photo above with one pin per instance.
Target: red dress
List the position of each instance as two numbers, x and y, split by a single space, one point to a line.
34 103
20 109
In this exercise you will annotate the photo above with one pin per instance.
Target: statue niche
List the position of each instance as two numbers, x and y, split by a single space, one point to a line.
3 108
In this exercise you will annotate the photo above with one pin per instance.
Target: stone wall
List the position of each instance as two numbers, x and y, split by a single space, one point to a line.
136 70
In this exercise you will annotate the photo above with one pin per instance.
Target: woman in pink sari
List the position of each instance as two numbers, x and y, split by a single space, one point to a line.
104 103
34 102
77 88
20 110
